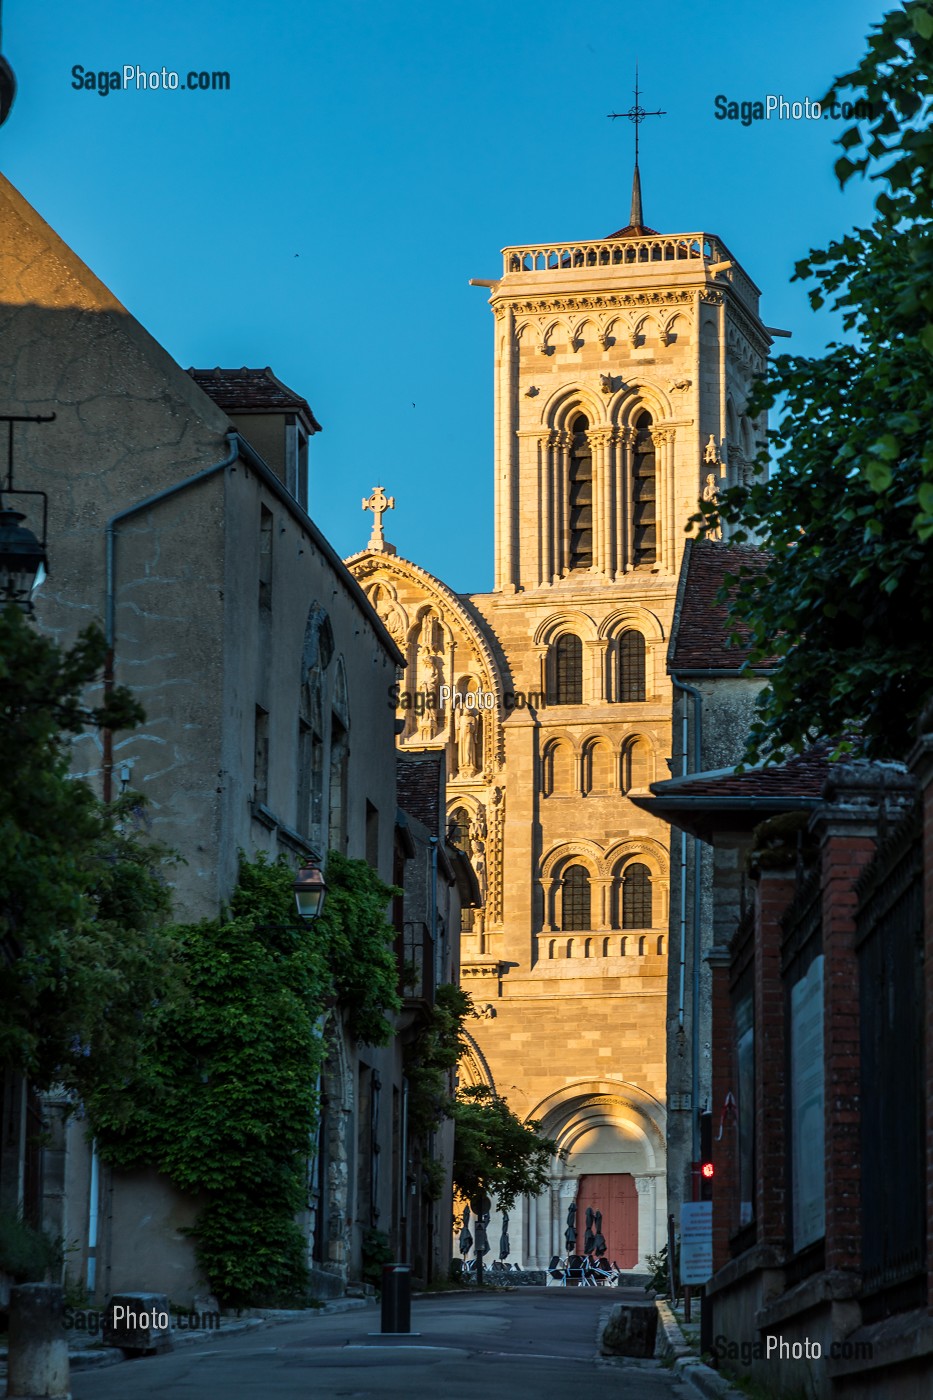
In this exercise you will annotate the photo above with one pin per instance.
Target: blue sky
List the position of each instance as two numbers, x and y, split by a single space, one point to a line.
396 150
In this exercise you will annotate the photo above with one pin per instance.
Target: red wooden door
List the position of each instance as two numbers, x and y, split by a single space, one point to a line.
615 1195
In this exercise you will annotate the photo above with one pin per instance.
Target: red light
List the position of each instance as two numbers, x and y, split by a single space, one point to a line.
708 1170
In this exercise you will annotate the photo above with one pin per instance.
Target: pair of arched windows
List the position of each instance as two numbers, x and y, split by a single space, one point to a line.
643 491
576 913
565 669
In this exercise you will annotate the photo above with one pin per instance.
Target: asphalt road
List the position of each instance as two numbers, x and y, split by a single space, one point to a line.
500 1346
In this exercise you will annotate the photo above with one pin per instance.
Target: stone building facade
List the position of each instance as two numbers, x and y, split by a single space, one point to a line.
622 368
178 517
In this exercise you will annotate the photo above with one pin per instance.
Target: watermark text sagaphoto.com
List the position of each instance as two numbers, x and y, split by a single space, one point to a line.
133 78
118 1315
778 1349
777 107
422 701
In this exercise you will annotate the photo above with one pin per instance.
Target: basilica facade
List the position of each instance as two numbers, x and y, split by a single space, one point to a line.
622 370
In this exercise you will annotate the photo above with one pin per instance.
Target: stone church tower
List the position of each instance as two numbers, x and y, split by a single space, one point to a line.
622 371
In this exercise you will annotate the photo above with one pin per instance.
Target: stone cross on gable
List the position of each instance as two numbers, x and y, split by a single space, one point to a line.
379 503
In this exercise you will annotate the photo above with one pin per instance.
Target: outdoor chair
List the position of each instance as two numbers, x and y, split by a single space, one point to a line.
575 1272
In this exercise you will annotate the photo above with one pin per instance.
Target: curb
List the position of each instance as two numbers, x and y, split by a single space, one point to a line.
687 1365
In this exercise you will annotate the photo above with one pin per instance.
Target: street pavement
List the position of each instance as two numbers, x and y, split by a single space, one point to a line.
493 1346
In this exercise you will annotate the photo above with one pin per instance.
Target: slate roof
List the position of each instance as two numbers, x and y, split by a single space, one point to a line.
419 784
702 802
701 627
802 775
252 391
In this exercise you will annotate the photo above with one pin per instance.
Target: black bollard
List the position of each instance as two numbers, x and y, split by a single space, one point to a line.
396 1299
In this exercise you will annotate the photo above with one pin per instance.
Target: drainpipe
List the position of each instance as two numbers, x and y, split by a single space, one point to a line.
435 951
110 610
695 939
92 1216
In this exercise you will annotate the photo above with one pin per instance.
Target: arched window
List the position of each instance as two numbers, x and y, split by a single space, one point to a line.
566 678
458 829
581 496
597 766
631 685
644 537
636 896
575 908
458 834
636 765
558 768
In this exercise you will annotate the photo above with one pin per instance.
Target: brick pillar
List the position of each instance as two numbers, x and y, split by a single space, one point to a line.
858 799
921 763
775 890
725 1183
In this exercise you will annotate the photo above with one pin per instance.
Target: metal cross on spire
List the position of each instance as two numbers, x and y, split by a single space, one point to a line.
636 115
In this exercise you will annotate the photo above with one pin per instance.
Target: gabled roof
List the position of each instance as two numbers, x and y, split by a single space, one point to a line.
729 800
701 627
253 391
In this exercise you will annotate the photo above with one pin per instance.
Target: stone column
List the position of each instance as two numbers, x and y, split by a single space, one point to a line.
626 502
600 903
647 1218
599 440
560 511
594 679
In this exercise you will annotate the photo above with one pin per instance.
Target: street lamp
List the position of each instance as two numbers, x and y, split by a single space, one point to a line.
309 888
23 560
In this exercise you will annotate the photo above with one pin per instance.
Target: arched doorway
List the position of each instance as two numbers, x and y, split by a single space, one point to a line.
613 1135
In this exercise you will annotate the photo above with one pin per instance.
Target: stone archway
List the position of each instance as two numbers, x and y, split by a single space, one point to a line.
613 1134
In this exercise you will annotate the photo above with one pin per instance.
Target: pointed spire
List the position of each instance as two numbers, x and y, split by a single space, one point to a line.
635 217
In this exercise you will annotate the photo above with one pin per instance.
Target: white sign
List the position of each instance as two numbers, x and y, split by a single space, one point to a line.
696 1242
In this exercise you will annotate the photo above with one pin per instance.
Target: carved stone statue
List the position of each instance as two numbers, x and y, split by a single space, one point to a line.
426 718
469 732
711 497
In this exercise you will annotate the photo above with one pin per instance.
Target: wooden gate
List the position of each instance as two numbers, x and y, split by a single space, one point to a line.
615 1195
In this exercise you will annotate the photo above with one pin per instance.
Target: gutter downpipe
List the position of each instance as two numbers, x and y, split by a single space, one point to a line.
110 609
435 951
695 939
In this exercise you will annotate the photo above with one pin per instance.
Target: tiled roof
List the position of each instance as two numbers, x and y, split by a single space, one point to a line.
419 780
252 391
700 634
802 775
705 803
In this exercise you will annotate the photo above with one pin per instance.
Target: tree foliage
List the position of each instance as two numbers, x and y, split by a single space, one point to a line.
495 1153
82 891
847 516
431 1058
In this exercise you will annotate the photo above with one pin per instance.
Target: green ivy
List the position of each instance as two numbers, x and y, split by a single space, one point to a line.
359 941
436 1051
224 1100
